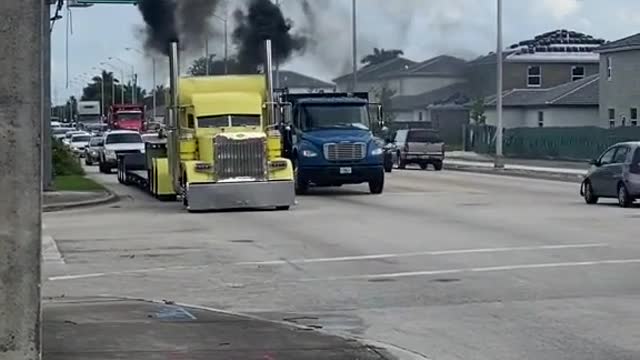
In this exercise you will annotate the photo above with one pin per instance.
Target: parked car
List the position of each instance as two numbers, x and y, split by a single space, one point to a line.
78 143
92 152
418 146
614 174
116 143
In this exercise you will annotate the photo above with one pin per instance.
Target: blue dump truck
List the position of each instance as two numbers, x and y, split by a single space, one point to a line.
329 139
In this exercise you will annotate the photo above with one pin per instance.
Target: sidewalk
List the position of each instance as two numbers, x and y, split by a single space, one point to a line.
109 328
60 200
547 169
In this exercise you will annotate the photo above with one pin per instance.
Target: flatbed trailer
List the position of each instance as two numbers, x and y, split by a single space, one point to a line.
138 170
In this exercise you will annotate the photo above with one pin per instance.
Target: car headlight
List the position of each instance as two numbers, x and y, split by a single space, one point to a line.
142 150
309 153
377 151
110 154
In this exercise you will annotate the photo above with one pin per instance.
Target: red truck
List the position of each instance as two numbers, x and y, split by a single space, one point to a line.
126 117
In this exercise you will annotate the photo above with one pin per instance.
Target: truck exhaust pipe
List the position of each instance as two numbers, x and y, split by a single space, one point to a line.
268 72
173 151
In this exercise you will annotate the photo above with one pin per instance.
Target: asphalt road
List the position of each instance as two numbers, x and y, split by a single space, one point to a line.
451 265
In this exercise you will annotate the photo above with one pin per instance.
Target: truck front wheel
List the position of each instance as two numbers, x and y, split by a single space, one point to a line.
376 186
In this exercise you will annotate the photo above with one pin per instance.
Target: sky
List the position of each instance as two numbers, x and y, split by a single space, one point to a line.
112 36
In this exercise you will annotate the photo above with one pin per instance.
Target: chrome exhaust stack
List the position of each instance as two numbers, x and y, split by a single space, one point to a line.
268 72
173 151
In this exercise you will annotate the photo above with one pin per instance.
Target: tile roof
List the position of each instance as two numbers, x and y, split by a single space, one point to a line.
443 65
576 93
292 79
374 72
456 93
632 41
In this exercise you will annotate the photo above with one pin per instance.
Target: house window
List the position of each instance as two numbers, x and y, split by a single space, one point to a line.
534 76
577 73
420 116
609 68
634 113
540 119
612 114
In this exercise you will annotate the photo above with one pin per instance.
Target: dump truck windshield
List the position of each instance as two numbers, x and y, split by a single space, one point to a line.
228 120
135 115
331 116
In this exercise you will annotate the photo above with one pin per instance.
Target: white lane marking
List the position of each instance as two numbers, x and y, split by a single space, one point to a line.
477 270
50 251
423 253
124 272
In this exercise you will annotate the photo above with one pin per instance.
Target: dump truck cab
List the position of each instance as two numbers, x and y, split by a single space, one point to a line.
330 141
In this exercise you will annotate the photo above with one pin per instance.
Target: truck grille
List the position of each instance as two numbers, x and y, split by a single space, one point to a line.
344 151
240 159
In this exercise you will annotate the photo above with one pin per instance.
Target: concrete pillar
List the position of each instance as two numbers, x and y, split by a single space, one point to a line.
20 178
47 167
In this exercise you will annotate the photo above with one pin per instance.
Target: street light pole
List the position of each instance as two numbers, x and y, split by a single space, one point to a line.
499 161
102 94
207 57
155 103
355 45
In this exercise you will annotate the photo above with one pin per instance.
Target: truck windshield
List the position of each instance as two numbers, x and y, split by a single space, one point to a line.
335 116
123 138
129 115
228 120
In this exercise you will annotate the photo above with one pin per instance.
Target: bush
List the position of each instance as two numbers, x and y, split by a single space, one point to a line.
64 162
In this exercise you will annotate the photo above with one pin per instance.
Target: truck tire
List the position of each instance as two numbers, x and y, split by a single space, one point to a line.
423 165
301 185
101 168
437 165
401 163
376 186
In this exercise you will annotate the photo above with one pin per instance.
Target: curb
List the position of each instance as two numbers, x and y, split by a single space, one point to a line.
393 350
542 175
109 198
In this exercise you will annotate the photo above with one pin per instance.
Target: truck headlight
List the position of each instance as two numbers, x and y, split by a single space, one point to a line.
110 154
309 153
377 151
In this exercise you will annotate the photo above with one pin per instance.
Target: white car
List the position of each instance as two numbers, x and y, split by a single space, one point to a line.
60 133
78 143
67 136
116 143
56 124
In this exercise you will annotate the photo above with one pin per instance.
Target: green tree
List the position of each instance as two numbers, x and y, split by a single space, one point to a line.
93 90
477 112
216 66
380 55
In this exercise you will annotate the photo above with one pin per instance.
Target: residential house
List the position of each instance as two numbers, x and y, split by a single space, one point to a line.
435 73
299 83
548 60
369 77
413 108
571 104
620 82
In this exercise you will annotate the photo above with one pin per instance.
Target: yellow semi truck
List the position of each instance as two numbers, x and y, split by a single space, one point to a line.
223 147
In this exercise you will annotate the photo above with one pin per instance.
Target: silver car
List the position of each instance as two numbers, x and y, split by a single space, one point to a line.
418 146
614 174
92 152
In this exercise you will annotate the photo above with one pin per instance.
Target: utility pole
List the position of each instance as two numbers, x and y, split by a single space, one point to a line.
134 94
21 99
155 88
102 94
207 57
277 72
499 161
355 45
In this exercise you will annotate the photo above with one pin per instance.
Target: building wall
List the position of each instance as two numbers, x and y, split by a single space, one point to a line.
450 122
552 116
404 116
622 91
511 117
483 76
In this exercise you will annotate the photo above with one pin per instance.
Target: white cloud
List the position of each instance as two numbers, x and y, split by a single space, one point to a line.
560 9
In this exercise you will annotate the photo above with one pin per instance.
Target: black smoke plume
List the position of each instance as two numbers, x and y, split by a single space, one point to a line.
264 20
182 20
161 27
